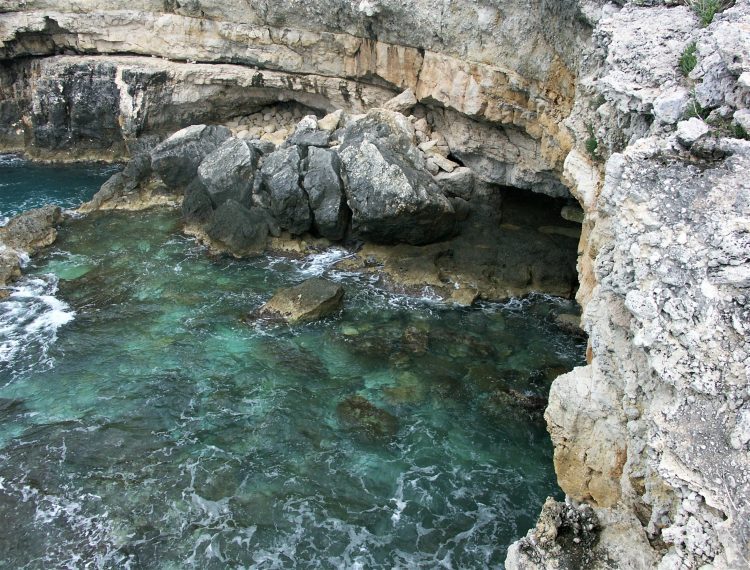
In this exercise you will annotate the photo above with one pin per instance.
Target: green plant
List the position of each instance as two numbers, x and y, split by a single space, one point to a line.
688 59
696 110
591 144
707 9
739 132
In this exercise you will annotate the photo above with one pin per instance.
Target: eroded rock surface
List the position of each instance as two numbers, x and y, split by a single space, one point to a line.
24 235
309 301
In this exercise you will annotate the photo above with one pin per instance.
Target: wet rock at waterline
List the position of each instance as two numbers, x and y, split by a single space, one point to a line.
135 173
177 159
243 231
24 235
366 419
309 301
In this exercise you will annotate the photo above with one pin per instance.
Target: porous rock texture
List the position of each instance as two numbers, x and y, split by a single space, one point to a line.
581 97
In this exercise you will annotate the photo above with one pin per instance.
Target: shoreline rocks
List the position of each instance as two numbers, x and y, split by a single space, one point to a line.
23 236
311 300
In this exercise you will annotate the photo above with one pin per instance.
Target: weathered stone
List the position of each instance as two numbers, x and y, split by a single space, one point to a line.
309 301
325 190
136 171
287 200
243 231
197 206
308 134
459 182
31 230
690 131
401 103
177 159
392 197
229 171
331 121
24 235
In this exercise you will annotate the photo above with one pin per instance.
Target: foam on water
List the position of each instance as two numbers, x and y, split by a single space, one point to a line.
29 321
167 433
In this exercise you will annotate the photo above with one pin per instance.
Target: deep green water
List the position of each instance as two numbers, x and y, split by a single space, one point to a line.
144 424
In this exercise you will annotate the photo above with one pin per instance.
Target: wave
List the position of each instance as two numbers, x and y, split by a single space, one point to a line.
29 320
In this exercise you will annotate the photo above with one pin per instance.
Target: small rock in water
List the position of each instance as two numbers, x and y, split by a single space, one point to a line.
309 301
359 413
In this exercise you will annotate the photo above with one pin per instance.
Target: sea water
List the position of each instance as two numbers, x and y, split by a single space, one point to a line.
146 423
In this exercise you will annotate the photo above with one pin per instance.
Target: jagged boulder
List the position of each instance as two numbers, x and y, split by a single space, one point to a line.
177 159
308 134
243 231
281 190
229 171
197 206
392 197
309 301
25 234
326 193
128 180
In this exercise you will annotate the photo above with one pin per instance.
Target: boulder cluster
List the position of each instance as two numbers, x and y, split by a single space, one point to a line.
338 177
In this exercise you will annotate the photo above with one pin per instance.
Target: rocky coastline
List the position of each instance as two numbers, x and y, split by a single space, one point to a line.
468 148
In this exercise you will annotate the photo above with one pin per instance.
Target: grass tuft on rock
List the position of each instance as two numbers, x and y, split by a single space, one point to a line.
688 59
707 9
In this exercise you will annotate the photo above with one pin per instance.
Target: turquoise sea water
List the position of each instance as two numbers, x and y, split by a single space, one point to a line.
145 424
24 186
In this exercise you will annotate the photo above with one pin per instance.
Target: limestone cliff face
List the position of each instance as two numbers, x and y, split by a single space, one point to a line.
463 57
576 96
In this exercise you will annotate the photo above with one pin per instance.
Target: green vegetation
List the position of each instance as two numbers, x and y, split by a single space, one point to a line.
707 9
696 110
592 145
739 132
688 60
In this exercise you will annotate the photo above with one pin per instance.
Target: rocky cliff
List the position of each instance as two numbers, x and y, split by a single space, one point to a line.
636 109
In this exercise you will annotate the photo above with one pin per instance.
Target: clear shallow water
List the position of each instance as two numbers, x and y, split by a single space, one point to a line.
24 186
143 424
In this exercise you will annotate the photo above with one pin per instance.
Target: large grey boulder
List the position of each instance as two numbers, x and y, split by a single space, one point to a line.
176 160
280 186
229 171
197 207
241 230
392 196
326 192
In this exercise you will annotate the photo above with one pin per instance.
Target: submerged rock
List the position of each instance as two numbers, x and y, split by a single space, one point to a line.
309 301
177 159
360 414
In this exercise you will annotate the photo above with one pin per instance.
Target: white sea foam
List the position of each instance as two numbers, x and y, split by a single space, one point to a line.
318 263
29 320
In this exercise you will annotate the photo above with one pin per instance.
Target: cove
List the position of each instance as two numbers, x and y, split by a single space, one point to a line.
145 424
